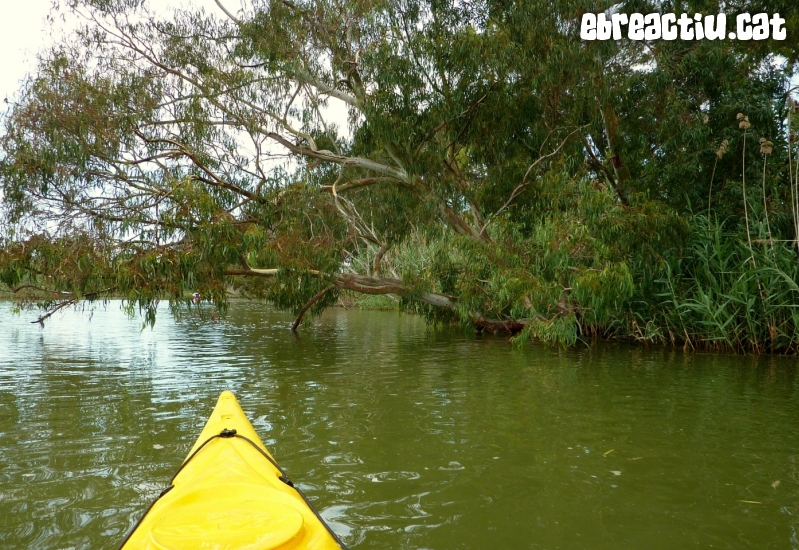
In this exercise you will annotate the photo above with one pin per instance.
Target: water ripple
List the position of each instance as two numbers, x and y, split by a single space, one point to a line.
403 437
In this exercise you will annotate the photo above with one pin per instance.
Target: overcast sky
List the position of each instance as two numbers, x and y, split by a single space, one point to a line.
25 30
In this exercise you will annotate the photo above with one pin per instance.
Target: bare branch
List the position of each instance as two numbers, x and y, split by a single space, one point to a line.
329 156
379 257
50 313
519 188
325 89
318 296
230 15
355 184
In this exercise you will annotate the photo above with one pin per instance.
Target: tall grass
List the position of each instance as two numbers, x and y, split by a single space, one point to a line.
724 295
727 290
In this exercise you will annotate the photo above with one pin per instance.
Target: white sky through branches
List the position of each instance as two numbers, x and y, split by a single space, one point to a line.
29 27
23 32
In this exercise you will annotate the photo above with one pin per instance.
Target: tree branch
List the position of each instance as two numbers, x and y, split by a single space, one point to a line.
318 296
355 184
60 306
68 302
604 169
379 257
230 15
519 188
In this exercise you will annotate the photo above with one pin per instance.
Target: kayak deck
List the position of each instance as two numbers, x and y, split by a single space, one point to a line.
231 494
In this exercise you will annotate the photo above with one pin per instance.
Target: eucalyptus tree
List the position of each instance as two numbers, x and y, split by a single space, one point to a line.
492 168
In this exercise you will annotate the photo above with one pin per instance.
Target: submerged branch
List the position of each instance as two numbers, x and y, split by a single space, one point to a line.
60 306
318 296
74 299
389 285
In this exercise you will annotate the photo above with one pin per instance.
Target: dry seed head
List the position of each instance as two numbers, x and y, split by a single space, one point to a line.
744 121
744 125
766 146
722 148
740 116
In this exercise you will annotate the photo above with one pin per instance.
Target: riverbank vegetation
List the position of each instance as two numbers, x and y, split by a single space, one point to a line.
477 162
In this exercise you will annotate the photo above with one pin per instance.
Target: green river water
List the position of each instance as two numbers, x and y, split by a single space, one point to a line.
403 437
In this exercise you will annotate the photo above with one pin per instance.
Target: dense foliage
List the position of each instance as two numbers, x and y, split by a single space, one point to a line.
494 169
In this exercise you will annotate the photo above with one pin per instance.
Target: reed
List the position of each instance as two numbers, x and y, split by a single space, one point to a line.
719 155
723 292
724 295
743 124
766 148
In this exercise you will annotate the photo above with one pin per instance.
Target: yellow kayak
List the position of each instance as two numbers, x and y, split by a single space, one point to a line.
231 494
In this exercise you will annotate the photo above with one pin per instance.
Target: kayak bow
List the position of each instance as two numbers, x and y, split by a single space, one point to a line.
231 494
